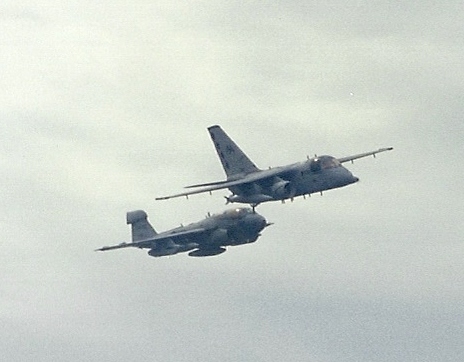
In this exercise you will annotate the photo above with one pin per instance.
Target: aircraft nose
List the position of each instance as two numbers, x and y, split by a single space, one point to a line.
345 176
350 178
262 222
265 223
259 222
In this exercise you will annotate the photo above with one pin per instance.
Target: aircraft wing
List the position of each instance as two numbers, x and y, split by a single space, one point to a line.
251 177
148 243
361 155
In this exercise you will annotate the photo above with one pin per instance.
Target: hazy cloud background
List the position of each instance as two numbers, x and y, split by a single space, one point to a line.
105 106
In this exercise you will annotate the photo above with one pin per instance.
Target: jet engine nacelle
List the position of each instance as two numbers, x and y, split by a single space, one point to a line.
207 252
219 237
283 190
172 249
251 199
163 251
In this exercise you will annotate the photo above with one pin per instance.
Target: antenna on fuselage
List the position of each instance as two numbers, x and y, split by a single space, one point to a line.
253 207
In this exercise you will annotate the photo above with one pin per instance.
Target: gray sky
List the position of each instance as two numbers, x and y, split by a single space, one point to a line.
105 106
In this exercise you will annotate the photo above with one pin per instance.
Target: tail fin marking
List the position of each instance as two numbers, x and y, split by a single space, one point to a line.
233 159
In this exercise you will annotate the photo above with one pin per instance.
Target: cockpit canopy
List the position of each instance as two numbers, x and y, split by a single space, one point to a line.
237 213
323 163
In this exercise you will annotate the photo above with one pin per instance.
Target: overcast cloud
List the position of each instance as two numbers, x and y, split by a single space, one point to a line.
105 106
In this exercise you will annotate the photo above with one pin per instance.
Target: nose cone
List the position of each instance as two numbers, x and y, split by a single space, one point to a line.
260 222
256 223
346 177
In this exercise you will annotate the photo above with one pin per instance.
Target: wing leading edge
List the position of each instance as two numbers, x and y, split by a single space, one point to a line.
148 243
251 177
361 155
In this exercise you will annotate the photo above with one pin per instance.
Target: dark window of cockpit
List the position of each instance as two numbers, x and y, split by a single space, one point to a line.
329 162
234 213
315 165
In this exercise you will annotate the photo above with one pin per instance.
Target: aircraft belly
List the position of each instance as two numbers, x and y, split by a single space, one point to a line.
309 184
324 180
246 189
239 236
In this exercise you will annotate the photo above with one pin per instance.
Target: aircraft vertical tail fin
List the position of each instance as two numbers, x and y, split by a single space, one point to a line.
141 228
233 160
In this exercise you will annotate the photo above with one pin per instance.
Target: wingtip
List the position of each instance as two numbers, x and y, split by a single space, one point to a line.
162 198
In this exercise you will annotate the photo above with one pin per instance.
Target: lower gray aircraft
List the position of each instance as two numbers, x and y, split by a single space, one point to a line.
251 185
204 238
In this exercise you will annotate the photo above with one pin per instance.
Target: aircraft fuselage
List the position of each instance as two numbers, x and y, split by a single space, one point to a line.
251 185
207 237
315 175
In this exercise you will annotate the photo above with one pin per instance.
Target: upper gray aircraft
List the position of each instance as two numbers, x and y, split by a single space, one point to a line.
205 238
251 185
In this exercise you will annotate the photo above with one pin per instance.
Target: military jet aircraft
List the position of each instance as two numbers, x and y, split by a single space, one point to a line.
205 238
251 185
